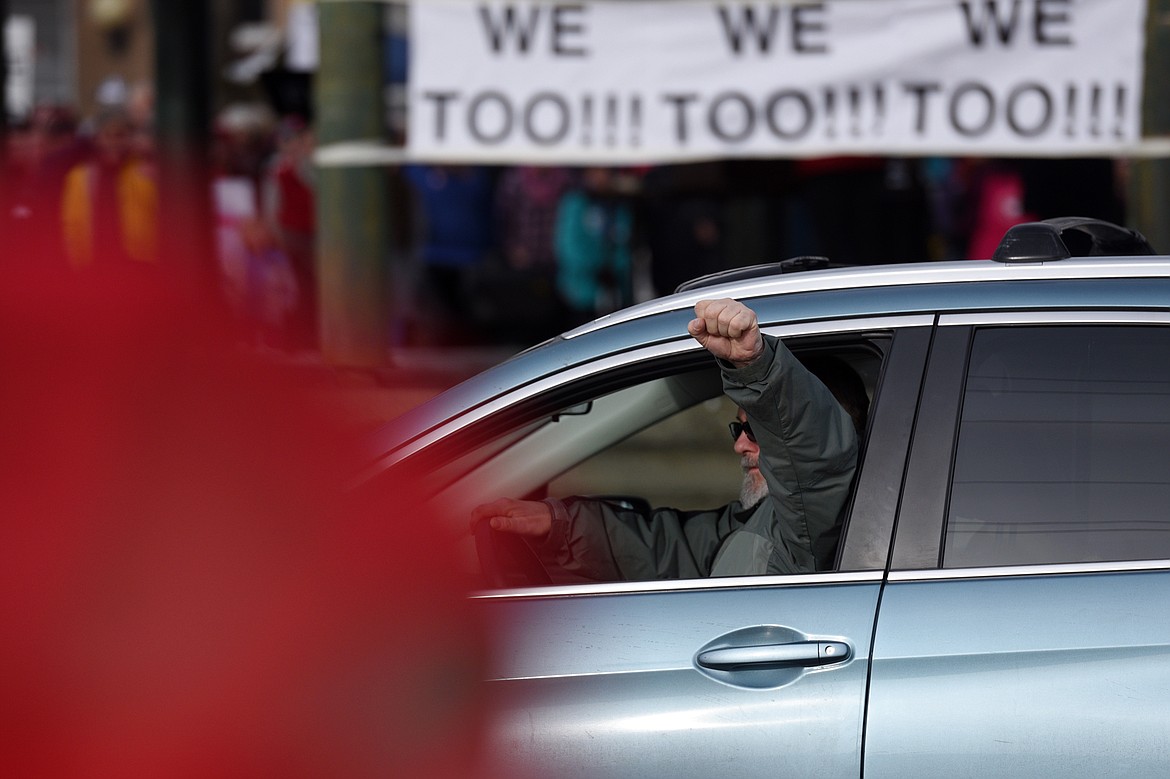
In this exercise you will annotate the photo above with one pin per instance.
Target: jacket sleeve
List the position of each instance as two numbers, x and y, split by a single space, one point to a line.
602 541
808 452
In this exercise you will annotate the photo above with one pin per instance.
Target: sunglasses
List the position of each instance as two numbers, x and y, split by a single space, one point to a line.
738 427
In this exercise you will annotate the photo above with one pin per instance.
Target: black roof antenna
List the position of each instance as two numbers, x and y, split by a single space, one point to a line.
1069 236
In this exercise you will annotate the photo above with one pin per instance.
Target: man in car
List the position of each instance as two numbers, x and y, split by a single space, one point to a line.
797 445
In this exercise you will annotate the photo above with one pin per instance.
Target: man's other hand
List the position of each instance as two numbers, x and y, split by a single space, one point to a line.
728 329
529 518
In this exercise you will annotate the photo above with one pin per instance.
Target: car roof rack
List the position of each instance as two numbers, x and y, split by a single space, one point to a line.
1069 236
791 265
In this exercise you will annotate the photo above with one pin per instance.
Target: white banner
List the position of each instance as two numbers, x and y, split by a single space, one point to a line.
661 80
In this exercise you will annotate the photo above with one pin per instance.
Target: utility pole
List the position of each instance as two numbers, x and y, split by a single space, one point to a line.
3 78
183 119
353 203
1149 182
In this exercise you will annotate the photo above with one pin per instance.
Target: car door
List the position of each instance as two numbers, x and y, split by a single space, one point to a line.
1024 630
748 676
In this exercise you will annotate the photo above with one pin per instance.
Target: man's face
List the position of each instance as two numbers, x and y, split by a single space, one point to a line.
754 488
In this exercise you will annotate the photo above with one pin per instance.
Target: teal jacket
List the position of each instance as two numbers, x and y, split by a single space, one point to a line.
593 252
808 456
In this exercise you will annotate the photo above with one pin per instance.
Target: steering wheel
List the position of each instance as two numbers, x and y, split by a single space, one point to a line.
506 560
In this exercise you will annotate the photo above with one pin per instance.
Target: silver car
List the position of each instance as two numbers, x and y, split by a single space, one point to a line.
999 603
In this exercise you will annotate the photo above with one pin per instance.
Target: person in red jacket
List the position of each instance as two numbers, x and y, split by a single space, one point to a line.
291 208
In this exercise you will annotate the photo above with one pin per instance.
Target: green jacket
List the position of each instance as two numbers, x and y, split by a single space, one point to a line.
808 455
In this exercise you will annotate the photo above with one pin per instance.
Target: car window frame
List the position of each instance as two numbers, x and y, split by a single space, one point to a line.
894 399
876 344
868 530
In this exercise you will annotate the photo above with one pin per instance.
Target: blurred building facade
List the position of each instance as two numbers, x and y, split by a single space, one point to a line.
83 53
42 44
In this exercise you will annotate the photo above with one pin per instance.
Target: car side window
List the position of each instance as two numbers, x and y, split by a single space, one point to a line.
690 461
1063 451
685 461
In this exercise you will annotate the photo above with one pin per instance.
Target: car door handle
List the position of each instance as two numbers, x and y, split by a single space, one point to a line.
797 653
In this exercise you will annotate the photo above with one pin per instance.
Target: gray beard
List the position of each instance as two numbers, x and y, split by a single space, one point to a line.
752 491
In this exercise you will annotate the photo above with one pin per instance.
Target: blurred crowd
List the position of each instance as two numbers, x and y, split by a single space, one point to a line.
81 194
514 254
79 191
506 254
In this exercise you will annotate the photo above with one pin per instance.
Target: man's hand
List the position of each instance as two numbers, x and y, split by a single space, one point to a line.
728 329
524 517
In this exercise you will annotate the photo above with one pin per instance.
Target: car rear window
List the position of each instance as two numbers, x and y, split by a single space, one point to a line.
1063 452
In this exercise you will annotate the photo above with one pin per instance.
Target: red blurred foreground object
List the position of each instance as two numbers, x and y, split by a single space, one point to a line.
186 591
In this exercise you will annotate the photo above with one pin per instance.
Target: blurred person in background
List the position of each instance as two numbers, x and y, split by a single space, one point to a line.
515 297
994 201
594 233
109 203
290 208
140 108
272 292
455 233
241 144
526 206
41 153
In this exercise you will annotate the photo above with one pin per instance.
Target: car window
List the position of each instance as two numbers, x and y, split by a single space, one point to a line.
630 436
1063 451
684 461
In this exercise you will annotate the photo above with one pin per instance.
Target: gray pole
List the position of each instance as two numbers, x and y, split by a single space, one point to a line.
183 127
353 204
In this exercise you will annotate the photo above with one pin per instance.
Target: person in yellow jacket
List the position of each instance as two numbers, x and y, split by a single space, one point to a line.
109 205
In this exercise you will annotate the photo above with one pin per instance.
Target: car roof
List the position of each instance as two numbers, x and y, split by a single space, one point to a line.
876 276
